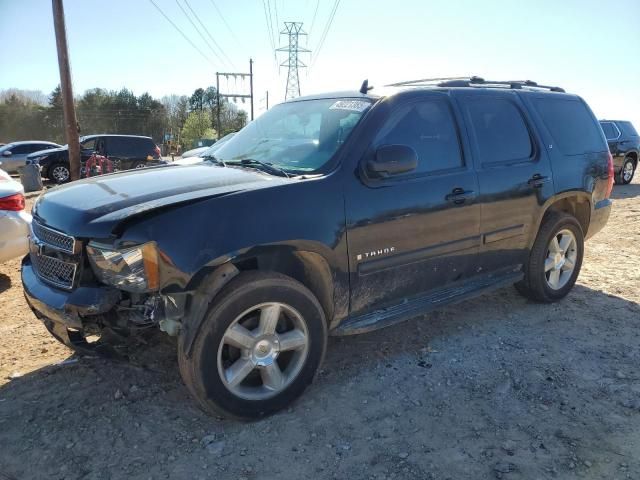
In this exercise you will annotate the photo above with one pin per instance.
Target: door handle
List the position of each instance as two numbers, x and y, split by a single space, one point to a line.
459 196
537 180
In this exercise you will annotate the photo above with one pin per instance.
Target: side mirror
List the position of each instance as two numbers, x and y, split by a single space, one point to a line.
7 153
393 160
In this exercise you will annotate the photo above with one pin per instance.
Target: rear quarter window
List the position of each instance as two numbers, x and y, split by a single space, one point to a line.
628 129
571 124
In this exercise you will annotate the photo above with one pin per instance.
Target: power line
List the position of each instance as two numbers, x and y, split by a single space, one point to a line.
210 36
200 33
269 29
313 20
225 21
182 33
275 8
326 31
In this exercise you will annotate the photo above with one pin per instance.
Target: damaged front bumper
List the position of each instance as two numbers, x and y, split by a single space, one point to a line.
67 314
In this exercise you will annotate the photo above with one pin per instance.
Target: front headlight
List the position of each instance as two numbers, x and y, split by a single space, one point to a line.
133 269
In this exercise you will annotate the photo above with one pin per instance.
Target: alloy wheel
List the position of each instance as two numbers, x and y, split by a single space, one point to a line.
560 262
60 174
627 172
262 351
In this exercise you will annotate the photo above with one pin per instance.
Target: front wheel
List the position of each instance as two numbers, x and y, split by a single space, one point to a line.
59 173
260 345
555 259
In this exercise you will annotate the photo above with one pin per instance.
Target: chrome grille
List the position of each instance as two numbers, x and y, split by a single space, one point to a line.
55 239
54 271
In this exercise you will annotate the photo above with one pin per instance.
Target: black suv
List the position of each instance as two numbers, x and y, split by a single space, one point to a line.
126 151
624 144
332 214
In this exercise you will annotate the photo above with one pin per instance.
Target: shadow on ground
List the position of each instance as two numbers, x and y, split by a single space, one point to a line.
5 282
492 387
626 191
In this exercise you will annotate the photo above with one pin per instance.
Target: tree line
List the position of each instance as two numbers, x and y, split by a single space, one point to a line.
31 115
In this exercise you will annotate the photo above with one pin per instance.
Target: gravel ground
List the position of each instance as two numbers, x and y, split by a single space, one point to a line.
496 387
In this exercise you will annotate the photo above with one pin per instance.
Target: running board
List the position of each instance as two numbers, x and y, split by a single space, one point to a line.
424 304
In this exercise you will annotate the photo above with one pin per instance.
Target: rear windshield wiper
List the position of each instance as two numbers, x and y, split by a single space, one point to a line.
267 167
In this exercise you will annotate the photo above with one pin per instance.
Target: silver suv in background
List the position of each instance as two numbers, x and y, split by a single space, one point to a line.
14 155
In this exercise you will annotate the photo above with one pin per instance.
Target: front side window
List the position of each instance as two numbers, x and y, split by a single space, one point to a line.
298 137
21 149
500 132
428 127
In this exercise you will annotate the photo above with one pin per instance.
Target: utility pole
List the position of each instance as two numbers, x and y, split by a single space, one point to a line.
70 120
233 95
293 30
251 84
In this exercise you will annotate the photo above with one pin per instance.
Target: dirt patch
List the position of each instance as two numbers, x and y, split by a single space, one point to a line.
497 387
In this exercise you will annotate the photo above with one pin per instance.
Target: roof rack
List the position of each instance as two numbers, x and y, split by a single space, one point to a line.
474 82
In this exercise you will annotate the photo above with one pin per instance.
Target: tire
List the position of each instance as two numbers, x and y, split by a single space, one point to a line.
59 173
244 302
542 284
625 175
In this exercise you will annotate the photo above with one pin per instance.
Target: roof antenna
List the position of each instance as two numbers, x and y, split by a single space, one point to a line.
365 87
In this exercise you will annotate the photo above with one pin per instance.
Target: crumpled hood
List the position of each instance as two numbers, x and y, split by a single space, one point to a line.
91 208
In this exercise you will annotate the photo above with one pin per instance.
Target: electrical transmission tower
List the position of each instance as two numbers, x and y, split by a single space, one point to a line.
293 30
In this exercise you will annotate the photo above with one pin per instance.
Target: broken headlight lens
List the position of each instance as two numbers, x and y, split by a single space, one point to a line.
133 269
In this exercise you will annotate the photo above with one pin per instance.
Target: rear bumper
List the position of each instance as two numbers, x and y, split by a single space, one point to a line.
14 234
65 309
599 217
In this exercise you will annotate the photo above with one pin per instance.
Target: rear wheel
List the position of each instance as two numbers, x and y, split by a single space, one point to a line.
258 348
555 259
139 164
626 173
59 173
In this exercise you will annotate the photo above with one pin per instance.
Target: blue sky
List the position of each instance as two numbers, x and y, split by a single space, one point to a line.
582 46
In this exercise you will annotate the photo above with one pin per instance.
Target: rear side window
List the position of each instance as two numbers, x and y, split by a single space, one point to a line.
500 132
628 129
428 127
609 130
571 125
120 147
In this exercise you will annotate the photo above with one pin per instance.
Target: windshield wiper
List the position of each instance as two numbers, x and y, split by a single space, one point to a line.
214 159
267 167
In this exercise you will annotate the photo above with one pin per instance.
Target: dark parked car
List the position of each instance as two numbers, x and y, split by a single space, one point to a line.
332 214
624 144
14 154
126 151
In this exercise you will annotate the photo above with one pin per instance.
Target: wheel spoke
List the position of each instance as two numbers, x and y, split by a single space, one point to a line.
568 264
554 246
272 376
292 340
565 242
549 264
269 319
239 337
237 372
554 278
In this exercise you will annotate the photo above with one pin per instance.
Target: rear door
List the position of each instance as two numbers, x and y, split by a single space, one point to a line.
514 175
120 151
415 232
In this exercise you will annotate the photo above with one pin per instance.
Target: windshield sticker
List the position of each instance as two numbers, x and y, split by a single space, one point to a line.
353 105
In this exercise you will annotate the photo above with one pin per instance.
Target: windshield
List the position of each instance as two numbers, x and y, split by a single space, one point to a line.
298 137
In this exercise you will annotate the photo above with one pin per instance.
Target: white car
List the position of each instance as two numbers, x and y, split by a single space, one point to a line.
14 220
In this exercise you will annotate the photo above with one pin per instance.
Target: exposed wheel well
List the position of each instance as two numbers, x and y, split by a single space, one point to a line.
576 207
634 157
309 268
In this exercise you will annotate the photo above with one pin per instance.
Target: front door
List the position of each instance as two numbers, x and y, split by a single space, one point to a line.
414 232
